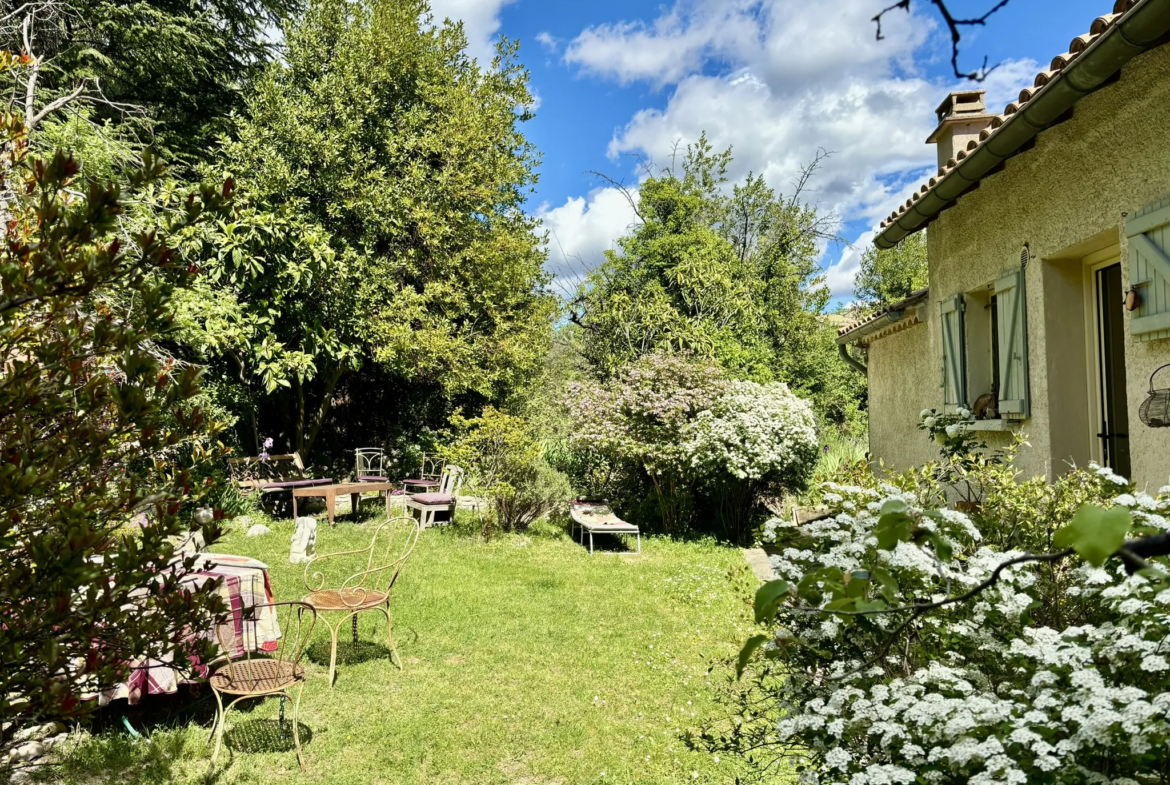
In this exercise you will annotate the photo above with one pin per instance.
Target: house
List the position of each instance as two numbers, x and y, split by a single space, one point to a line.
1049 257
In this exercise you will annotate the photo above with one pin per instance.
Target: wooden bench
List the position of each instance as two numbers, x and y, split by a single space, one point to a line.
274 474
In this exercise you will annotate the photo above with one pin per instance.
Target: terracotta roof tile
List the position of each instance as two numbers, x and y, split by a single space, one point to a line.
1059 63
913 299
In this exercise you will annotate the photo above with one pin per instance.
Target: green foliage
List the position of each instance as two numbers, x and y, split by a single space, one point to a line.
733 278
384 233
95 431
171 71
890 275
506 463
1094 533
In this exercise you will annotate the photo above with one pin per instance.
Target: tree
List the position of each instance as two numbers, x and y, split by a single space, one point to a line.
98 438
729 276
168 73
890 275
381 139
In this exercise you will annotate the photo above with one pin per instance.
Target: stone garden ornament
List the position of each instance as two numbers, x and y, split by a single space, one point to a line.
304 541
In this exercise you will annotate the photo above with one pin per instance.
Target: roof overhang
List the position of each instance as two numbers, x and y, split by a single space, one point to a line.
892 318
1129 34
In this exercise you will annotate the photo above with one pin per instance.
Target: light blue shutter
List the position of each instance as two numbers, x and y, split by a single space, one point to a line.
954 352
1148 233
1010 296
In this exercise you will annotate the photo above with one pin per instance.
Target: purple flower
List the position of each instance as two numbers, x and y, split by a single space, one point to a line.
826 448
265 449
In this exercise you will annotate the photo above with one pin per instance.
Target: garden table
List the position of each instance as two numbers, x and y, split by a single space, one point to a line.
355 490
245 585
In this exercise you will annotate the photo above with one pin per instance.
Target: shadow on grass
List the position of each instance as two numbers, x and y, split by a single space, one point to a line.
255 736
349 653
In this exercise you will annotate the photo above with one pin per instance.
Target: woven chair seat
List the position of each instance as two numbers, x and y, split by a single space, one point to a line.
347 600
259 677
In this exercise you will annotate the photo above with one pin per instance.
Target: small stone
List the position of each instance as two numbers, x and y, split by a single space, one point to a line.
20 776
259 530
204 516
53 742
30 750
38 732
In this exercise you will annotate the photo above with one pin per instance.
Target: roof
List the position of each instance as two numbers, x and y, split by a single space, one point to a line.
1133 27
883 317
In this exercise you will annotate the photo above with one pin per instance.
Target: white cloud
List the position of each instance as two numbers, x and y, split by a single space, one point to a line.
778 81
839 275
481 22
582 229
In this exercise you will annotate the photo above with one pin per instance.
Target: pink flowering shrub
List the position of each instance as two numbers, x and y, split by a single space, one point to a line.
700 439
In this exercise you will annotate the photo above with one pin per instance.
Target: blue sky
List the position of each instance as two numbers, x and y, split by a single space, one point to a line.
775 79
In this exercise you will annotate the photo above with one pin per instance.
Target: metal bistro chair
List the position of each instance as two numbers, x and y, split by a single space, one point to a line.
445 499
429 477
353 596
245 674
369 465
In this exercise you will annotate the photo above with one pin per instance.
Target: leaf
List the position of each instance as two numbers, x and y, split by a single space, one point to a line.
942 547
745 654
894 526
768 597
1095 533
889 585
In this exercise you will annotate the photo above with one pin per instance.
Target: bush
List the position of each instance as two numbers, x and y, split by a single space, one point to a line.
96 432
755 441
712 449
1024 643
505 462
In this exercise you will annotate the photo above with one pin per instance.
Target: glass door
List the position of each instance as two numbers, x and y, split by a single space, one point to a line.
1114 434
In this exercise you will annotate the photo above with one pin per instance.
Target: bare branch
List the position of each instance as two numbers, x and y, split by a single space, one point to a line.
953 25
625 192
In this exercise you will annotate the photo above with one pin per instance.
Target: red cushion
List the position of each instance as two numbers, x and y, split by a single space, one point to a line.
431 498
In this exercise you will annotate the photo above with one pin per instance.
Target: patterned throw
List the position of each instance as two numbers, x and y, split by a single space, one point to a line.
246 584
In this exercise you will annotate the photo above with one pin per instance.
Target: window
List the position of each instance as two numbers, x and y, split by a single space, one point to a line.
985 349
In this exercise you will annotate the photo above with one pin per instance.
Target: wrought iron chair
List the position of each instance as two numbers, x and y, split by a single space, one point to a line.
445 499
430 477
243 674
353 596
369 465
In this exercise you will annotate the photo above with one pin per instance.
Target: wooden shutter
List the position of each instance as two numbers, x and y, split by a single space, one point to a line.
954 352
1010 294
1148 232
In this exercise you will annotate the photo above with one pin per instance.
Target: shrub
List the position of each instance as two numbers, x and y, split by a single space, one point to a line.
1026 644
755 440
640 418
506 463
95 432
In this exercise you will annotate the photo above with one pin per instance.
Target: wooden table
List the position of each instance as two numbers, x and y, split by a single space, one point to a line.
355 490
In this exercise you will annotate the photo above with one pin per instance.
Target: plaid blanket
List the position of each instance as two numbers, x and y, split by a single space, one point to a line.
245 585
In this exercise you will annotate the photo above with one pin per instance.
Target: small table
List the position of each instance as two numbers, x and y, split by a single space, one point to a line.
355 490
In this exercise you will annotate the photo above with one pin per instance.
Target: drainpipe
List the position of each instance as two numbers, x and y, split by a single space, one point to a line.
850 360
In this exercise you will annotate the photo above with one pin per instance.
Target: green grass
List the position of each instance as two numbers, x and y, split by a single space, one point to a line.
527 661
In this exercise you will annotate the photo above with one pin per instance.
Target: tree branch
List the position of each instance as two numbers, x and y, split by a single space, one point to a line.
953 25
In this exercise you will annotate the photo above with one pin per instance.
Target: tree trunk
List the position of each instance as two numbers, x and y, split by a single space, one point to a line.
299 419
322 409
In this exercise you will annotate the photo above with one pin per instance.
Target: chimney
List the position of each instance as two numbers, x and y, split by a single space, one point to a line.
960 119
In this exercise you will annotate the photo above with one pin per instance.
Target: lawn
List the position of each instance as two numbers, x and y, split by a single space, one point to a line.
526 661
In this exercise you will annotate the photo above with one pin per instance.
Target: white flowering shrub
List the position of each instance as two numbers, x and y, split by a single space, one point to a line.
909 647
755 432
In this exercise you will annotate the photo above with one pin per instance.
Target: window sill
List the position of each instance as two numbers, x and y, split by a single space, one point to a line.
990 425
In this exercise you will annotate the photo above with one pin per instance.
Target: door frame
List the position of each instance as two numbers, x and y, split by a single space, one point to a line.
1092 263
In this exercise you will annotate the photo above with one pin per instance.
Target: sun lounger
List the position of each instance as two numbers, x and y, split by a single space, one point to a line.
594 516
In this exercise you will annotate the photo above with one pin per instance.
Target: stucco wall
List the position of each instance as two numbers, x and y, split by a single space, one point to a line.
898 366
1112 157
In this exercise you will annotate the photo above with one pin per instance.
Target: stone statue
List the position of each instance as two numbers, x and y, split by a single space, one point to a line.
304 541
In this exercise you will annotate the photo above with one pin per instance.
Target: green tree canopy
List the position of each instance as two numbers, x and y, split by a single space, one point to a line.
732 276
150 71
890 275
391 171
